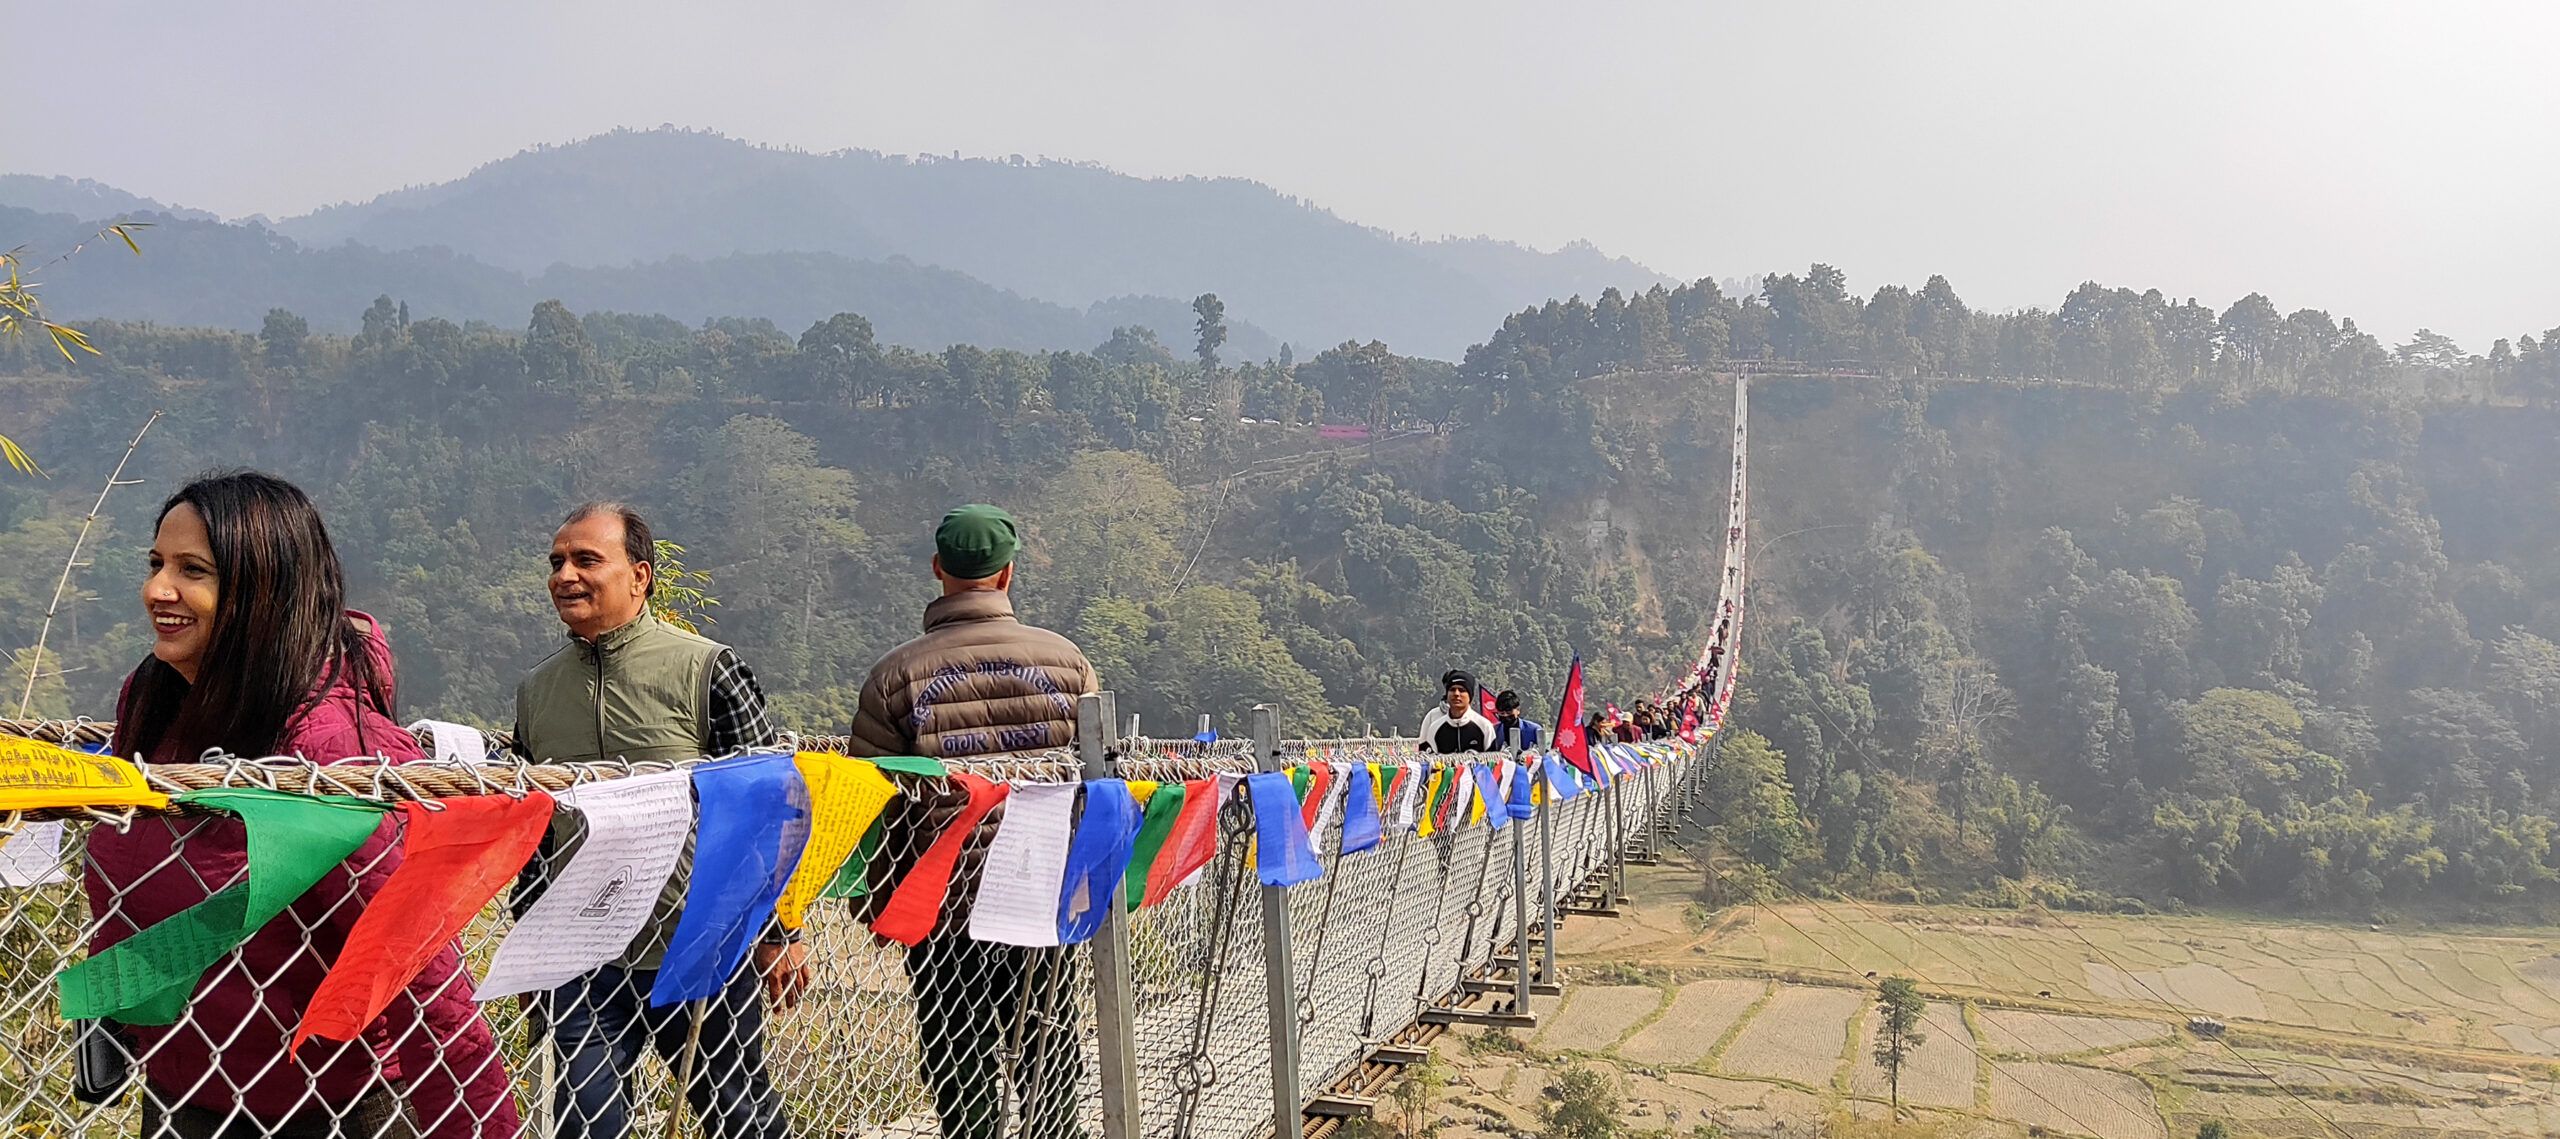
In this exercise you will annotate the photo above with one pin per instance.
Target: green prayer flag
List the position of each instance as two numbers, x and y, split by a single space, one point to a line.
293 841
1163 808
851 880
911 765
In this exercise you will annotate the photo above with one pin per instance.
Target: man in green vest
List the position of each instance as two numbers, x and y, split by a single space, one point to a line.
630 686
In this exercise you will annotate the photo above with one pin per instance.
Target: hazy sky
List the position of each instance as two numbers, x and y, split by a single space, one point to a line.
2396 164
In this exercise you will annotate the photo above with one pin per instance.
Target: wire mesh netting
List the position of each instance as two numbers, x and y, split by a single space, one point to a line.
954 1037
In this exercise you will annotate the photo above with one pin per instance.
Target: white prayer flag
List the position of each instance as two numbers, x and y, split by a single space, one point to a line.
1026 871
1408 803
1332 803
455 743
33 856
595 905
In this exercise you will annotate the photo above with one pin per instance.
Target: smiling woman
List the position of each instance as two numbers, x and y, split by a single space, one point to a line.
251 630
183 590
255 652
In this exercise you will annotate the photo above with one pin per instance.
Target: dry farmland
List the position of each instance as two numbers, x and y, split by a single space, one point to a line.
2060 1025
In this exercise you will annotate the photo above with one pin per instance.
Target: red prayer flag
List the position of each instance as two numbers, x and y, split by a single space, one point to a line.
457 855
916 906
1192 844
1570 742
1317 784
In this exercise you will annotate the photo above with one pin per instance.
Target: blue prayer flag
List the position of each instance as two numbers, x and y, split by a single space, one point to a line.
1360 825
753 820
1561 785
1283 854
1096 858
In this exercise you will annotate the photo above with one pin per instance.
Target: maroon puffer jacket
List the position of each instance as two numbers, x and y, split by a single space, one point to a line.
229 1047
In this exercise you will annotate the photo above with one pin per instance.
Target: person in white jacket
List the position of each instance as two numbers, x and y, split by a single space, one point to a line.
1455 725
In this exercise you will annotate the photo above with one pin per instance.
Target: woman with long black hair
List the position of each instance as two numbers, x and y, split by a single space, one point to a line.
255 653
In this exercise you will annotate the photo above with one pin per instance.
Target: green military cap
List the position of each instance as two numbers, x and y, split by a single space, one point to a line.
976 540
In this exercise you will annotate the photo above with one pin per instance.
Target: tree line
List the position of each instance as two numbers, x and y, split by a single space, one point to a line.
2129 602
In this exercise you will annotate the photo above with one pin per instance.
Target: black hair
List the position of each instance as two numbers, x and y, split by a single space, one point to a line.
279 639
637 543
1507 701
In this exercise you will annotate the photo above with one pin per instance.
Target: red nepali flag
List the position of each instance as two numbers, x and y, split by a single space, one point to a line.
1484 696
1570 742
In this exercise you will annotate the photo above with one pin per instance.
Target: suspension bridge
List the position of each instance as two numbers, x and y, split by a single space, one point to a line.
1240 1002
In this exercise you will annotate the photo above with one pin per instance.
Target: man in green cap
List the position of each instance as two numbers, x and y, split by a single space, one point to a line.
978 682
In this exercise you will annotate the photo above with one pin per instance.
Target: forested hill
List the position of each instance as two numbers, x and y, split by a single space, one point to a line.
1066 233
2129 599
203 272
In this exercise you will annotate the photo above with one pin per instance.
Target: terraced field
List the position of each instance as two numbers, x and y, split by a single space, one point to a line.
2037 1024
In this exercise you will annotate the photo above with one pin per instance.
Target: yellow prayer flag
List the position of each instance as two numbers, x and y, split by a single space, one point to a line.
36 775
845 797
1425 826
1142 790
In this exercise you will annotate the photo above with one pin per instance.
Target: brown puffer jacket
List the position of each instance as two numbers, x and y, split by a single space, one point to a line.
978 682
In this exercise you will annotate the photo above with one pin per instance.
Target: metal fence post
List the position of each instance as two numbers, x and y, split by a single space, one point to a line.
1115 1009
1279 969
1547 875
1617 840
1519 901
1653 812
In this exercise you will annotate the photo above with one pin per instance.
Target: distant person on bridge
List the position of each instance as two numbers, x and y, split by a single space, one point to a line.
1620 727
978 682
1644 720
629 686
256 653
1509 728
1597 729
1456 725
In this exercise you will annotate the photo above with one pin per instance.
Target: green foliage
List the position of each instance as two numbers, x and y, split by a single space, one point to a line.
2213 1129
2239 742
1749 785
2162 602
1211 328
1899 1007
1414 1090
681 598
21 307
1582 1104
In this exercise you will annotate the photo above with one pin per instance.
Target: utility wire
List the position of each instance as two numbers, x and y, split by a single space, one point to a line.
2174 1006
1899 959
1979 1058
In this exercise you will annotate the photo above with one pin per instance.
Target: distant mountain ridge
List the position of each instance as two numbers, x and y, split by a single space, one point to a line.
83 198
197 272
1066 233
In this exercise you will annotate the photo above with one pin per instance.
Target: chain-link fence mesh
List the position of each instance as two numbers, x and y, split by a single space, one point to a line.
954 1037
